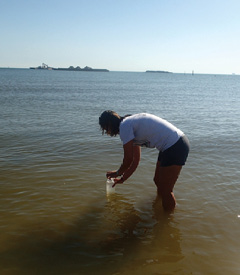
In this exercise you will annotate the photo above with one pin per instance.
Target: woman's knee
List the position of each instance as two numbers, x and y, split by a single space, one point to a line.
168 201
159 186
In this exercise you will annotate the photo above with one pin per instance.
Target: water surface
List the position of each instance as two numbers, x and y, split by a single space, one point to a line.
55 217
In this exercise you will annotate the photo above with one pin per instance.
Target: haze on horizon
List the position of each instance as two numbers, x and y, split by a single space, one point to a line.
136 35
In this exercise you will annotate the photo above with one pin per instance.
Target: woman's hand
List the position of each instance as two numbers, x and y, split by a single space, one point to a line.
117 181
111 174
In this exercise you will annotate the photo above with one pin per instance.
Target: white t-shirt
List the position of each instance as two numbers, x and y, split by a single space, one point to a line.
149 131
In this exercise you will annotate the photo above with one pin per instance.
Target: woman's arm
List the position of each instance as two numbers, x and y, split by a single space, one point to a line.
136 159
128 149
127 161
131 160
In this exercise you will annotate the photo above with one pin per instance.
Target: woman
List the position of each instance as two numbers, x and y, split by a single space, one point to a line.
150 131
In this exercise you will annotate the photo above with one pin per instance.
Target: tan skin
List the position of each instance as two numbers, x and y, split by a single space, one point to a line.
130 163
164 178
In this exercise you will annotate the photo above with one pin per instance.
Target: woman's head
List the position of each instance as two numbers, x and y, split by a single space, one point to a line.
109 122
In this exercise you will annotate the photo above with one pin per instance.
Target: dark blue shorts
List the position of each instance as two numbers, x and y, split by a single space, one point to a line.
176 154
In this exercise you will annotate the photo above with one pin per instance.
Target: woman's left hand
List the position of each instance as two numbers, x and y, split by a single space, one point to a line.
111 174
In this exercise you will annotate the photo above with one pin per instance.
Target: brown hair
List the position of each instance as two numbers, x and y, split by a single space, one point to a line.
109 122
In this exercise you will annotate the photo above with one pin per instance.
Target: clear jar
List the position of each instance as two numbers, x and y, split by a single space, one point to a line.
109 188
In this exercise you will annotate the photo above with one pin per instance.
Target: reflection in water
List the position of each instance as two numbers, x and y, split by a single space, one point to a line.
166 234
122 214
105 240
134 242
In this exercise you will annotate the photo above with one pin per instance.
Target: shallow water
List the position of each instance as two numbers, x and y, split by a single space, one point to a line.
55 217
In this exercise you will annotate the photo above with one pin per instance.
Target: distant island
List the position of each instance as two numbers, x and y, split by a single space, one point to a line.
71 68
159 72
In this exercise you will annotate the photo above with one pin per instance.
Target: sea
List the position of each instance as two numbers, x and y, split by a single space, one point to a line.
55 214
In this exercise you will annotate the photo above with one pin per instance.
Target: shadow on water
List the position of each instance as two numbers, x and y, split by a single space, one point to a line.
111 240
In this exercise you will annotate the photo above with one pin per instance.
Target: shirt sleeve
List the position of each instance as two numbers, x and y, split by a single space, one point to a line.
126 132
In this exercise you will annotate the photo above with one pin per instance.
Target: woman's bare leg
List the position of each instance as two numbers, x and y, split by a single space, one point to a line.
165 179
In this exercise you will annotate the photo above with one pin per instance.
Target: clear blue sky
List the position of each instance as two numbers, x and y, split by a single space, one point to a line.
122 35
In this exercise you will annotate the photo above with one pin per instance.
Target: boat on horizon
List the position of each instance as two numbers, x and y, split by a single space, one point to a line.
71 68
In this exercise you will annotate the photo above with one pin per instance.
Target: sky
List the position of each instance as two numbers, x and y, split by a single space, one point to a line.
122 35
